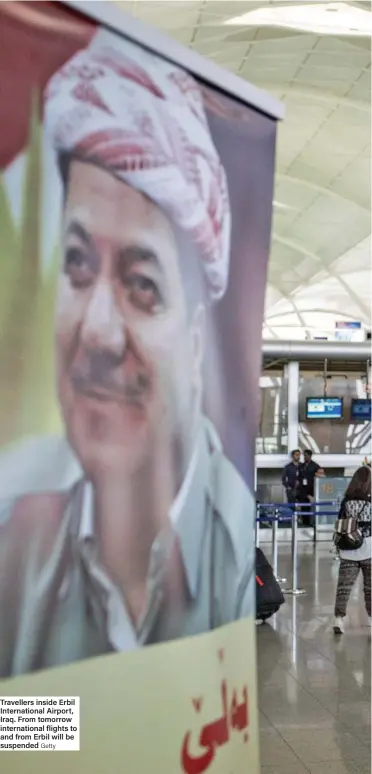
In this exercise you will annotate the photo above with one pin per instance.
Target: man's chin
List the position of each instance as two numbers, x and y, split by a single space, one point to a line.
110 462
108 446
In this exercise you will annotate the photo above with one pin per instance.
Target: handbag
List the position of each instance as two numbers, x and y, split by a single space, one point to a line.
348 536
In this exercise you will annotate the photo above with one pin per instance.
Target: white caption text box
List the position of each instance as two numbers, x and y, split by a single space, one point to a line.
39 723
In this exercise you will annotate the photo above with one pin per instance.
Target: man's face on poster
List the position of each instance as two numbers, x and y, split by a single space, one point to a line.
128 352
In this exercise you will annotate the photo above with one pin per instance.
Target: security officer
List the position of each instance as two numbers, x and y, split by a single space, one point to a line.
291 477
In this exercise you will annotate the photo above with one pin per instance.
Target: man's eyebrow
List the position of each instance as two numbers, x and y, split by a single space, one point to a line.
76 229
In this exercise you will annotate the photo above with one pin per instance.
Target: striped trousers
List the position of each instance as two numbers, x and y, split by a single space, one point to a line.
347 577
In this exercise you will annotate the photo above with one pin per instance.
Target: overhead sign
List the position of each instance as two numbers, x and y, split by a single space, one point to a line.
349 330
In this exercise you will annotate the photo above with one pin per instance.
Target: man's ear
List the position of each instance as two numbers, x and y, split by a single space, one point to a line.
197 332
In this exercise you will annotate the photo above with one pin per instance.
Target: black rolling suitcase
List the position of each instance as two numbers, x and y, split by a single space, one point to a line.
269 596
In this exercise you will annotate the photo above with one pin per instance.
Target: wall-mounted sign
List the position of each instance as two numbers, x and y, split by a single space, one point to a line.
349 331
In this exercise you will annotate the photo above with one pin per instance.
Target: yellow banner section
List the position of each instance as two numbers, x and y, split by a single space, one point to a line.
181 708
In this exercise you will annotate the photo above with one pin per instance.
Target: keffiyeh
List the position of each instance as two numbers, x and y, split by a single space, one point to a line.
143 119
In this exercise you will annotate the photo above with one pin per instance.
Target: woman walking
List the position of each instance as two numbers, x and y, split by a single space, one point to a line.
356 505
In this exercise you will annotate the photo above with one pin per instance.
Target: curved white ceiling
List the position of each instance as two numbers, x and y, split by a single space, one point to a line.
320 266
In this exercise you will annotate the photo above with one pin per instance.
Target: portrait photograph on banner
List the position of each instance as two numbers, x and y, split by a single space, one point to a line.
135 219
137 194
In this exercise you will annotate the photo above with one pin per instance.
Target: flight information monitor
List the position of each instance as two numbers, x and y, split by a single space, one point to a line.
324 408
361 409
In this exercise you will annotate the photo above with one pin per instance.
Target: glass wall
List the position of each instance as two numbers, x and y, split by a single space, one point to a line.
330 436
273 427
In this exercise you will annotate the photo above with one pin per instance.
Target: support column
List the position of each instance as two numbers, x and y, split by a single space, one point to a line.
293 377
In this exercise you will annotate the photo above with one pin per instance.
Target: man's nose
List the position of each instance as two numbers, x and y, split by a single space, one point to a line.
103 328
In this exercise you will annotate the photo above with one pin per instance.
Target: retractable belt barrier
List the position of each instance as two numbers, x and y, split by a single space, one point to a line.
277 516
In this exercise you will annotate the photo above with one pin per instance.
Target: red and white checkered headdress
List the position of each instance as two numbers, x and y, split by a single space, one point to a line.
144 119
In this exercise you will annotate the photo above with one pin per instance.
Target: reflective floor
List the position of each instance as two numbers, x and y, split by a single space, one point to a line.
314 689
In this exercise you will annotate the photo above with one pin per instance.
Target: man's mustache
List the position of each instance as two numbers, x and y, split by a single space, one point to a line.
100 383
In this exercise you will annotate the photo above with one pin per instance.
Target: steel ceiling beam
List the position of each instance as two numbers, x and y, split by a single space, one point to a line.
316 350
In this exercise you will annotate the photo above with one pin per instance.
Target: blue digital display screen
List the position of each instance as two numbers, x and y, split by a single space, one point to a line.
361 409
324 408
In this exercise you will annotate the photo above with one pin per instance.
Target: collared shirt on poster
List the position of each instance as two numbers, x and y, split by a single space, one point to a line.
67 609
121 631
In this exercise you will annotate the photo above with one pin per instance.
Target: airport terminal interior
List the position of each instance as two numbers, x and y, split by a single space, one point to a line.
314 686
313 663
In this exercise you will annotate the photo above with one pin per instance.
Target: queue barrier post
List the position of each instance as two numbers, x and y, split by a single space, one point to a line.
295 591
274 553
257 529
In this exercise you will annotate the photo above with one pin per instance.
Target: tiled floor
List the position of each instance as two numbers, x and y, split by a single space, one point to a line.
314 689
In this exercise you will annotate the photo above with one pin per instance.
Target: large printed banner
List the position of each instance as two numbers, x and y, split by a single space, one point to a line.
188 707
135 211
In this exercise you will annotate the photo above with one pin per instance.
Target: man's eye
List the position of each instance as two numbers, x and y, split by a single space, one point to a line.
78 267
143 292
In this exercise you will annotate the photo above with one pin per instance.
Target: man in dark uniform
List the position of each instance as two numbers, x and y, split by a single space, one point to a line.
308 471
291 477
